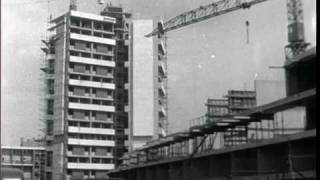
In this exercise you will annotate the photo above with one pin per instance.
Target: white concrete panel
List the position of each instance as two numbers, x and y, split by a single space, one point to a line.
91 107
89 142
92 61
91 84
93 16
269 90
143 79
90 130
90 166
92 39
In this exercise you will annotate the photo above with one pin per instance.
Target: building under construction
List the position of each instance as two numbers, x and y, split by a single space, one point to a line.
193 154
101 91
188 155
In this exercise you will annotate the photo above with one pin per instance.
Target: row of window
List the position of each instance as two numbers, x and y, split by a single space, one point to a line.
81 173
91 69
91 55
90 78
90 125
89 115
91 101
91 24
217 110
91 46
91 136
97 91
87 160
248 102
91 33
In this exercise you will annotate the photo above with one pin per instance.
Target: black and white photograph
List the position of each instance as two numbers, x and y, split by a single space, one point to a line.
158 90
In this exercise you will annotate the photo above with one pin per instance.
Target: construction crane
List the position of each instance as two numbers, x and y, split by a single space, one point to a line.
205 12
295 20
296 39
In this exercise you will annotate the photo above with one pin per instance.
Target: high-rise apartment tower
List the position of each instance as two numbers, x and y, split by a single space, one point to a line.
101 88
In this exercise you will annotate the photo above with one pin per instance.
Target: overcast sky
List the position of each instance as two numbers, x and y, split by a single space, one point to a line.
205 59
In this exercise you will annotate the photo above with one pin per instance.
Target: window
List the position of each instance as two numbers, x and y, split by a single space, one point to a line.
80 45
51 66
49 158
102 48
49 127
50 84
50 105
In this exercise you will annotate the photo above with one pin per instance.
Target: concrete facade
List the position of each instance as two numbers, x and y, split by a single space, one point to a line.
80 111
100 91
142 118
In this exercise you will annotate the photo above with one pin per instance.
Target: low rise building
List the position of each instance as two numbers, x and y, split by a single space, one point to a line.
31 160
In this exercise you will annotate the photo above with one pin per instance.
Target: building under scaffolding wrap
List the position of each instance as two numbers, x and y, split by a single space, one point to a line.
186 155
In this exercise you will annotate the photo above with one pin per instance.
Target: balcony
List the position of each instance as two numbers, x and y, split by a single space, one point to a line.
162 111
161 48
91 61
51 56
91 84
91 142
92 73
91 96
92 107
92 39
162 69
93 166
85 130
162 89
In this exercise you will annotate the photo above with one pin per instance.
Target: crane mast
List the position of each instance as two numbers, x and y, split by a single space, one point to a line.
296 39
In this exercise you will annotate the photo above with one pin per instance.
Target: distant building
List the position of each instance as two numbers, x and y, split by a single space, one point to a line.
238 101
217 108
31 160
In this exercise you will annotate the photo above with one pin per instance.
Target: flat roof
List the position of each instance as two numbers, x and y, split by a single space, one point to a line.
89 16
92 16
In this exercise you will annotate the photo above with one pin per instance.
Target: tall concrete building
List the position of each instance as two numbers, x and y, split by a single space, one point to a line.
100 91
80 95
140 75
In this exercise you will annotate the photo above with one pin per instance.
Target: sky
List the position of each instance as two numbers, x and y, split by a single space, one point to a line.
205 59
